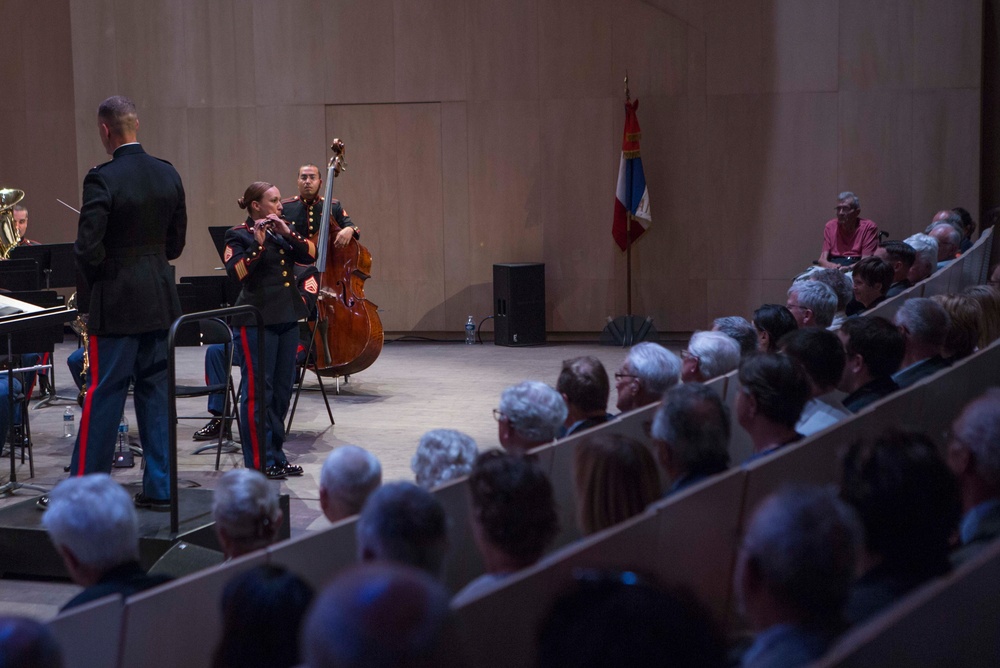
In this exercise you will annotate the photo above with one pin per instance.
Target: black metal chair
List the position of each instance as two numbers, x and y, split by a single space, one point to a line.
215 331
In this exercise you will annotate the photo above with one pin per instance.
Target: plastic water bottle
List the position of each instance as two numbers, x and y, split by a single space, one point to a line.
470 331
68 424
123 432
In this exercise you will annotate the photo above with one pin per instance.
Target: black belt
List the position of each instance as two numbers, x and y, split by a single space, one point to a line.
133 251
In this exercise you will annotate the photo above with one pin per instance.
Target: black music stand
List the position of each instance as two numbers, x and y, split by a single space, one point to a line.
20 274
10 325
56 264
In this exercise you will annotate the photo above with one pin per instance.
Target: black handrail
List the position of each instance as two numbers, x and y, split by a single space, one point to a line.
258 381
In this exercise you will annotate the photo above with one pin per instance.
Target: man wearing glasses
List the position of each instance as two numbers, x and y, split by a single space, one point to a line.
812 304
848 237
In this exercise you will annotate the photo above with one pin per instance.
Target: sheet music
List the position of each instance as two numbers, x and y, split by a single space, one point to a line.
25 307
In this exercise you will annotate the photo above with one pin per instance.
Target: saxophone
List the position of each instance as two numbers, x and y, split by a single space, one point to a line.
79 327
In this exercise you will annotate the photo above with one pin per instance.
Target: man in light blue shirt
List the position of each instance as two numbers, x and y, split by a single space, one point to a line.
974 456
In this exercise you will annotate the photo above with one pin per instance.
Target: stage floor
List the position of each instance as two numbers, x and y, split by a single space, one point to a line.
413 387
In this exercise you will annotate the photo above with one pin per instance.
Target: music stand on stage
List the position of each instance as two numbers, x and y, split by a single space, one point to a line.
27 317
56 264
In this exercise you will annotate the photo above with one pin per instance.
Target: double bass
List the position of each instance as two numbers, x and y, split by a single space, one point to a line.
348 332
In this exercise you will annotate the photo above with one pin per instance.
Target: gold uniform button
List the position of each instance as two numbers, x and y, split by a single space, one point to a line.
287 284
282 251
284 273
282 262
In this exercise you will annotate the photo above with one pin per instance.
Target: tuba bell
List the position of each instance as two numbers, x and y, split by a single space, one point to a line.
9 237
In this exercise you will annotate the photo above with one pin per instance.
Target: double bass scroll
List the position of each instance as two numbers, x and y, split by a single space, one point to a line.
348 331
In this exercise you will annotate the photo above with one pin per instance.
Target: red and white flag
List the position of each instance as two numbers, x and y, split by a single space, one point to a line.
632 197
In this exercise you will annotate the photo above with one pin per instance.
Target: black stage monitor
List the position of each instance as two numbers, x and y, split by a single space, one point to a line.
519 304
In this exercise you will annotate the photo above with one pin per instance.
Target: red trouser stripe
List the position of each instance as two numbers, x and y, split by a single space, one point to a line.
251 398
92 378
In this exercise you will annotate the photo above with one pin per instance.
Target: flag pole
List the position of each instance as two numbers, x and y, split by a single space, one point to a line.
627 330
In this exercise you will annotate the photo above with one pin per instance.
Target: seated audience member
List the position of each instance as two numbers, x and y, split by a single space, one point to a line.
873 350
989 301
949 240
773 391
585 388
691 433
813 304
965 320
530 414
405 524
872 278
822 356
793 574
926 248
266 597
348 476
381 615
615 478
26 643
649 370
738 329
848 237
908 504
513 517
92 522
443 455
772 322
246 512
708 355
924 326
841 285
610 619
900 256
973 455
968 228
946 216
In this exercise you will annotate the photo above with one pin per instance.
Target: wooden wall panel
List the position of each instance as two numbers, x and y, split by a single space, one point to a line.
735 43
737 103
431 49
876 44
219 48
292 136
800 53
652 47
799 188
952 62
577 32
512 29
223 161
149 53
290 51
876 131
361 59
575 192
455 215
945 151
734 149
506 189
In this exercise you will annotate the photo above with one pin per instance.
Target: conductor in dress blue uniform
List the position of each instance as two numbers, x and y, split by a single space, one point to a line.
261 254
132 223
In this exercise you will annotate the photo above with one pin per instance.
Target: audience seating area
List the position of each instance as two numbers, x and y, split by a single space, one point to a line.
690 538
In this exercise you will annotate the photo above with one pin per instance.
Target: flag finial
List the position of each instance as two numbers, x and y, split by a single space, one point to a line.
628 96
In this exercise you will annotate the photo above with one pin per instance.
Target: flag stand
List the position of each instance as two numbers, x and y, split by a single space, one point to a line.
627 330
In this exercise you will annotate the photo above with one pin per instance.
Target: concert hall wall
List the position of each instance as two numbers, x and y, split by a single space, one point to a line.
482 132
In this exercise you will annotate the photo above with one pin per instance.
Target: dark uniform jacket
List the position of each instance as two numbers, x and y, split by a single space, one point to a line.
132 222
267 273
306 217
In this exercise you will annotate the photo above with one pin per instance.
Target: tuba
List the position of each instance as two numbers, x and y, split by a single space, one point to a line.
9 238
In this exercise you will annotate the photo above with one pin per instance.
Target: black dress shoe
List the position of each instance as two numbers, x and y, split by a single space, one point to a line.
275 472
209 432
291 470
42 502
143 501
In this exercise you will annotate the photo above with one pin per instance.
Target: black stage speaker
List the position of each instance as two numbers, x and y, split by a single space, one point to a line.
519 304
